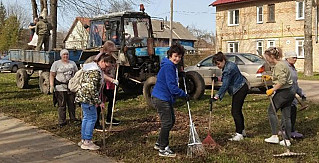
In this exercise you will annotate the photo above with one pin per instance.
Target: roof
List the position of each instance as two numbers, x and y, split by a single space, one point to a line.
221 2
82 20
179 31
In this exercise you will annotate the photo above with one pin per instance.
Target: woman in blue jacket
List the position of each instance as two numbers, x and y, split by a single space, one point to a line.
163 96
235 84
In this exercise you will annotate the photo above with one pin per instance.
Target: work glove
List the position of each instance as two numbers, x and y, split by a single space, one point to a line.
116 82
187 98
269 92
303 98
51 89
266 77
214 78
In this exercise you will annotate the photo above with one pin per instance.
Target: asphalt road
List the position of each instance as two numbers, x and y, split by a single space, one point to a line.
311 89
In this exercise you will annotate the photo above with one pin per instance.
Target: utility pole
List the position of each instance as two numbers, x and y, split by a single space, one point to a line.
308 47
171 25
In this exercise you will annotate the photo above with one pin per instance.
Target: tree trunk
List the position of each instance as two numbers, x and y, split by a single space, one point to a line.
44 5
34 9
53 14
308 49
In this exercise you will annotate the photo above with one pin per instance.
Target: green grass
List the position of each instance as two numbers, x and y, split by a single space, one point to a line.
303 77
140 126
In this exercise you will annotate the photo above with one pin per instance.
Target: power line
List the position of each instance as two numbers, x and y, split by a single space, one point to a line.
188 12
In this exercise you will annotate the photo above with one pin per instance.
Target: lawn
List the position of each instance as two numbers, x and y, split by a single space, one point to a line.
134 139
303 77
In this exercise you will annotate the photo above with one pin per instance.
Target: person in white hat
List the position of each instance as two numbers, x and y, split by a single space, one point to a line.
60 73
291 58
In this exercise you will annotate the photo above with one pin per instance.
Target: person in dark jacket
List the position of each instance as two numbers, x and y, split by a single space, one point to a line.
163 96
42 29
235 84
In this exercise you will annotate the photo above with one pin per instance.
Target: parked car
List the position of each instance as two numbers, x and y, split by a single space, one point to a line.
8 65
250 65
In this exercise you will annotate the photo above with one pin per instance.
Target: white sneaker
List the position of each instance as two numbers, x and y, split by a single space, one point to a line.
88 144
283 143
237 137
167 152
80 142
273 139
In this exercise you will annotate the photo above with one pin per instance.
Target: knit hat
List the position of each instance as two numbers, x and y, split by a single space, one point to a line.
63 51
290 54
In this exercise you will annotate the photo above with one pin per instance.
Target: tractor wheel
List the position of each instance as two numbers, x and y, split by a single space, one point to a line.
44 82
22 78
147 90
195 85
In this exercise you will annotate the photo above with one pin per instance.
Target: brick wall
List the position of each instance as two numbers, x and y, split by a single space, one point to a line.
285 31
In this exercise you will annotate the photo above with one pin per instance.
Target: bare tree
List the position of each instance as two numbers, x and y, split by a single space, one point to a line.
34 9
19 12
308 63
53 15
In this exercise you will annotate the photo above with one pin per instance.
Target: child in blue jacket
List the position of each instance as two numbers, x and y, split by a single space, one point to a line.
163 96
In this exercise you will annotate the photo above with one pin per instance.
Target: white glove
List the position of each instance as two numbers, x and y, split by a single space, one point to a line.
116 82
51 89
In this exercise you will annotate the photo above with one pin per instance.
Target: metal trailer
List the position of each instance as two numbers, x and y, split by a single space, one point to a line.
41 61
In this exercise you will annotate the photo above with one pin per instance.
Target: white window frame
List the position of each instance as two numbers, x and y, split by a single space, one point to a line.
271 40
260 8
233 43
261 46
300 40
233 13
297 10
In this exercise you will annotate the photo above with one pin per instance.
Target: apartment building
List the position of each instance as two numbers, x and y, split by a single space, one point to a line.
251 25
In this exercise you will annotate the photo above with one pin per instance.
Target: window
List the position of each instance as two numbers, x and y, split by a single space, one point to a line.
234 59
271 43
207 62
271 13
259 14
233 17
300 10
232 47
260 47
299 48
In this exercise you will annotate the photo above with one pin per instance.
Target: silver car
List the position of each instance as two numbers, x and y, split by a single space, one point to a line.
8 65
250 65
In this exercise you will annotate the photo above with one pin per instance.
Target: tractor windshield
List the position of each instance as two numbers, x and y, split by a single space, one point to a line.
97 34
136 31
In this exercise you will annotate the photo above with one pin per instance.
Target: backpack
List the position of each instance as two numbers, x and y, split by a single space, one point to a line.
75 82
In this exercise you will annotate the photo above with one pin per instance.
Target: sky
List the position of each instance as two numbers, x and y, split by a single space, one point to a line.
193 13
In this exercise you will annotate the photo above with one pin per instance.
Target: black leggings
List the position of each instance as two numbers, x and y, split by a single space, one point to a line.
237 107
109 93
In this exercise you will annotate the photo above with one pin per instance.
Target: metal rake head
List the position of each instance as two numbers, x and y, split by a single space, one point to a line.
289 154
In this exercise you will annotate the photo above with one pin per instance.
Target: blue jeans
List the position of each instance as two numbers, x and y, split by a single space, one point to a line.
89 119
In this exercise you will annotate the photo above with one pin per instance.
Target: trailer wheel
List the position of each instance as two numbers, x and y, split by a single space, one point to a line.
22 78
44 82
195 85
147 90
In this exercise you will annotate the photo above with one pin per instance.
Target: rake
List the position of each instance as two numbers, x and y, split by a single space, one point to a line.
288 153
195 146
209 141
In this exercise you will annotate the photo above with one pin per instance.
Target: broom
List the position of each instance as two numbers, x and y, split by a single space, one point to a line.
195 146
209 141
